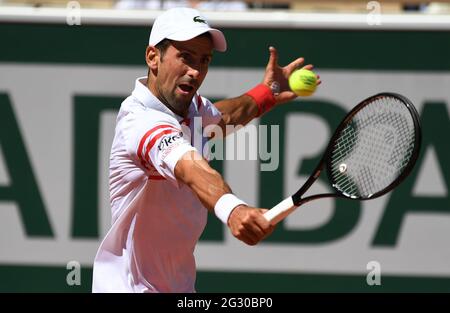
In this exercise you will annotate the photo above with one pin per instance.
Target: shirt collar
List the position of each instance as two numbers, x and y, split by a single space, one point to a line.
146 97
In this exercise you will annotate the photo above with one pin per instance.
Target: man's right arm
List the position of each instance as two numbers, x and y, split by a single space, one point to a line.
246 223
161 146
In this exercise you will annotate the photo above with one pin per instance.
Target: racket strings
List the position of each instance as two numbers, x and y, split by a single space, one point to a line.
373 149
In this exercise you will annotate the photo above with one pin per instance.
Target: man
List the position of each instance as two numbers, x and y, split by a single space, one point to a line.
161 187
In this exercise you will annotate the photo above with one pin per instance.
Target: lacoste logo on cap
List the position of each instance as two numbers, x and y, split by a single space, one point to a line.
199 20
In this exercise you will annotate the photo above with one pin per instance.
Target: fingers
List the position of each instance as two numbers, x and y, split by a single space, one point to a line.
319 81
311 67
249 225
257 231
252 240
249 238
273 58
295 65
253 235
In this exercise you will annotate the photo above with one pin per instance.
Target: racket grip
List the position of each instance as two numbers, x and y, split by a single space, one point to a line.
280 211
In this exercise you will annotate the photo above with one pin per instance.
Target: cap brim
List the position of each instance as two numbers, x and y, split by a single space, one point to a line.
219 41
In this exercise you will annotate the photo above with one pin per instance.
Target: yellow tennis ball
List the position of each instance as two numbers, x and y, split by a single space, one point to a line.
303 82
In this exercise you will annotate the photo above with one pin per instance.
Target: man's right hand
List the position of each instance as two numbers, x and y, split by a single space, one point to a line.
249 225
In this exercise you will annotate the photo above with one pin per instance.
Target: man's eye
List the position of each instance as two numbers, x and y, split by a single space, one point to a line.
185 56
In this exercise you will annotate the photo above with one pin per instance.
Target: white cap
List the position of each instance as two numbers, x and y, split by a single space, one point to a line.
181 24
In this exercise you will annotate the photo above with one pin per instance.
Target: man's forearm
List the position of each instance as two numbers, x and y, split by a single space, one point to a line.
237 111
206 183
241 110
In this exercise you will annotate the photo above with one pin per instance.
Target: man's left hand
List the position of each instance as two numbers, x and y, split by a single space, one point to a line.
276 77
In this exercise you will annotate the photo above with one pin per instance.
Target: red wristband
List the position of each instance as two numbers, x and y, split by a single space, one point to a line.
263 97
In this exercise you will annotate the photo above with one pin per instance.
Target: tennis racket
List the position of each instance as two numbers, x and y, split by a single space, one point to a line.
371 152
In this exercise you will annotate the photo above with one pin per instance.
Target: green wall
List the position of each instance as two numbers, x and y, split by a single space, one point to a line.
410 51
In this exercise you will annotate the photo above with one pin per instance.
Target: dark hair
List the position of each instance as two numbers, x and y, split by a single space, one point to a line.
162 46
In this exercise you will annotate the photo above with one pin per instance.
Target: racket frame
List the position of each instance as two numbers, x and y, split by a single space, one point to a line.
285 207
414 154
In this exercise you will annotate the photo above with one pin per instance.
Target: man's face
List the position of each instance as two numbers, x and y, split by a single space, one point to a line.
181 71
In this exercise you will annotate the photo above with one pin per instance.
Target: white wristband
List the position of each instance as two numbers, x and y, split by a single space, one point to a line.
225 205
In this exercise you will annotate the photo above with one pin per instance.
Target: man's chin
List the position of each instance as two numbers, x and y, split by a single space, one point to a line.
182 104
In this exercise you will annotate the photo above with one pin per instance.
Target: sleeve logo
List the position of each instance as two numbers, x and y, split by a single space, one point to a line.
169 140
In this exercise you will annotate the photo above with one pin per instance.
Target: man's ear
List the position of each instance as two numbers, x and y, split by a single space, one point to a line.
152 57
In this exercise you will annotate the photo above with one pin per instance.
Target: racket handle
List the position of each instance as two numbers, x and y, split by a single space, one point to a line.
280 211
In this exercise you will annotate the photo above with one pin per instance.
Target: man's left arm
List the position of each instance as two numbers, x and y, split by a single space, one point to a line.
274 90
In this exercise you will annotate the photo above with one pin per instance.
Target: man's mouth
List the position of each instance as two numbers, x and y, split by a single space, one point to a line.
186 88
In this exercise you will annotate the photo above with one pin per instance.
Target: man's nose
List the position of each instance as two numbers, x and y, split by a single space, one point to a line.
193 72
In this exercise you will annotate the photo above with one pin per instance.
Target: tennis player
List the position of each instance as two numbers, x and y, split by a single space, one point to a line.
161 187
